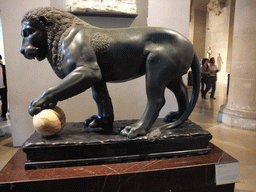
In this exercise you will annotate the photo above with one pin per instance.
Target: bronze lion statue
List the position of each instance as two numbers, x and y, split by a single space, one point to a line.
84 57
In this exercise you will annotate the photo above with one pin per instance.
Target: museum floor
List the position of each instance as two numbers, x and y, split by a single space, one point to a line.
241 144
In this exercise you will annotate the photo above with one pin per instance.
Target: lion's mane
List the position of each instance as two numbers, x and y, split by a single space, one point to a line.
61 23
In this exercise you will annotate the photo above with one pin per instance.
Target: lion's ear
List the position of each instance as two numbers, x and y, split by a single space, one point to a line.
44 20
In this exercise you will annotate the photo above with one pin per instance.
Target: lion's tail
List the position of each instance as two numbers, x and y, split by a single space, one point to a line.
195 93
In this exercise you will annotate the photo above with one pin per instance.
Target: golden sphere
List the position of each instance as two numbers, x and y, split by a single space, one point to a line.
49 121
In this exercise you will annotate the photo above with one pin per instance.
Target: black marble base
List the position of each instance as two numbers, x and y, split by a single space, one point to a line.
77 146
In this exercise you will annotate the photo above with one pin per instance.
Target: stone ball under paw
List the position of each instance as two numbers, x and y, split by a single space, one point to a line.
49 121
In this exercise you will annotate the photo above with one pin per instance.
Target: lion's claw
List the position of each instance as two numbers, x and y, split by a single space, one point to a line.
124 132
97 122
89 120
133 132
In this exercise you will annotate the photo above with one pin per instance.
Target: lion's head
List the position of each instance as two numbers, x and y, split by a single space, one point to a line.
43 30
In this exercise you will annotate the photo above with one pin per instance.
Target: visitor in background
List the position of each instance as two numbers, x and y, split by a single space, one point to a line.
211 84
3 93
3 90
204 75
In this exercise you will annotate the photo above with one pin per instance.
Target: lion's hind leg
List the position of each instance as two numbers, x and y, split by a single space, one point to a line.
180 91
157 78
155 103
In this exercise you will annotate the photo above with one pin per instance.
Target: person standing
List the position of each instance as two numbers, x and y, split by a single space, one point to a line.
3 93
213 69
3 89
204 75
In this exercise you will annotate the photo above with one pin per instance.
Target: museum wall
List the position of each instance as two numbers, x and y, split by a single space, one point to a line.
199 33
27 79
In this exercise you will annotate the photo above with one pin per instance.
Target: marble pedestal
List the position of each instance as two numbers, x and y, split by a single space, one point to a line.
78 146
183 174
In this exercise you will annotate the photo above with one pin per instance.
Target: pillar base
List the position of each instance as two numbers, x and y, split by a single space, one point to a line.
239 119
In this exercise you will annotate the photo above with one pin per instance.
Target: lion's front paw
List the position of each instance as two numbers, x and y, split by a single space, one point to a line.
88 121
40 104
98 122
132 131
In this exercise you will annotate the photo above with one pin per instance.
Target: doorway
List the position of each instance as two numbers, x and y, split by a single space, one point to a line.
213 31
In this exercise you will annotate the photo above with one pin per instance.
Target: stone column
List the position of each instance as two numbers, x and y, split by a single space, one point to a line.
240 109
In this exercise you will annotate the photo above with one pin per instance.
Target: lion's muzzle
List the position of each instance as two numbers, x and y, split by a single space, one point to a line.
29 52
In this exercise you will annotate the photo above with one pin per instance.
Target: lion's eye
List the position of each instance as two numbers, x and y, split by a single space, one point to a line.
27 32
